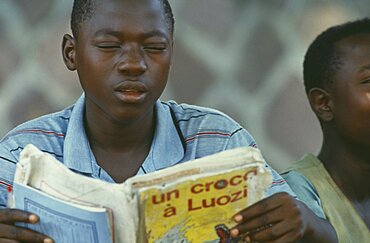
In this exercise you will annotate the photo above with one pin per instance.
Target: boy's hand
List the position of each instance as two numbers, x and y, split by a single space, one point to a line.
278 218
8 230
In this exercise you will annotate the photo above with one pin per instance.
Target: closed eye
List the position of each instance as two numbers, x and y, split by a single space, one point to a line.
108 46
155 47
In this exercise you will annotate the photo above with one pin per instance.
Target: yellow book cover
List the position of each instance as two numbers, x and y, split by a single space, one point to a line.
200 208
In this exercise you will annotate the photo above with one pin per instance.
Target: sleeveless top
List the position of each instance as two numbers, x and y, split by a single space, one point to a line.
338 209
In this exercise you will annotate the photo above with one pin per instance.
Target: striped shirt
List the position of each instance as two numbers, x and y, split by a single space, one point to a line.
183 132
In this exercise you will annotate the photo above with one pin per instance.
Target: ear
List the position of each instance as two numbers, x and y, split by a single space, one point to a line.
68 51
321 104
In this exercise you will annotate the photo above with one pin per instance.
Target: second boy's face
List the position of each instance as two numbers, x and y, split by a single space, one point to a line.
123 56
351 91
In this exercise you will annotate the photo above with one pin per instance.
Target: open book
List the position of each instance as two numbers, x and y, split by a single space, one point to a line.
189 202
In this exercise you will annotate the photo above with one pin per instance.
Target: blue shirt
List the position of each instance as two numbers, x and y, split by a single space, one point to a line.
305 191
183 132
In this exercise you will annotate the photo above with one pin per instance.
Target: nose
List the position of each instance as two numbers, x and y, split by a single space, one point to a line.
132 62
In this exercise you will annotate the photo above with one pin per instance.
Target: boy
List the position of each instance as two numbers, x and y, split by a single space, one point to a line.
122 52
337 82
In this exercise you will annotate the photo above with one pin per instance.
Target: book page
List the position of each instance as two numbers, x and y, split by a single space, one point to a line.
64 222
44 173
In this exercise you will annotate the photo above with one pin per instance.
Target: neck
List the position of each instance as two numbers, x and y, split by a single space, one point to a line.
116 137
349 166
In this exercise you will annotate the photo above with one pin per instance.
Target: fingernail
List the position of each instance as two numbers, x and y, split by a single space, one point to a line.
48 240
234 232
238 218
33 218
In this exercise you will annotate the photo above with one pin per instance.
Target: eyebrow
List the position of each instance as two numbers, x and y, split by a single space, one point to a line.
155 33
108 31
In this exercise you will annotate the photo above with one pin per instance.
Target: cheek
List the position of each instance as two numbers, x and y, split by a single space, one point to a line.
160 68
355 114
92 60
95 70
362 101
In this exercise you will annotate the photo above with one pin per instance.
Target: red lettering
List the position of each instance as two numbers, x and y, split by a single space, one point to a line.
170 211
154 199
211 204
254 172
190 205
208 184
175 192
226 201
235 183
236 196
193 188
220 184
245 191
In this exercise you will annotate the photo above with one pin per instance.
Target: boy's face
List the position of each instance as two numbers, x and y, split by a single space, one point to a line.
350 90
123 56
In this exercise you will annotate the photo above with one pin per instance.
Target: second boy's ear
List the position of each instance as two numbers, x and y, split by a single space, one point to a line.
321 104
68 51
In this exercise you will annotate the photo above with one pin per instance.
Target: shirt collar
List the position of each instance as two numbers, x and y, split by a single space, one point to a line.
166 150
77 151
167 147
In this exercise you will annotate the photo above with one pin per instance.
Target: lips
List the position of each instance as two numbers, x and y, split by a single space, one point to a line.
134 86
131 91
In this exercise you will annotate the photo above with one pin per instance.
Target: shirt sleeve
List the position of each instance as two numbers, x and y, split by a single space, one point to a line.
305 191
243 138
7 169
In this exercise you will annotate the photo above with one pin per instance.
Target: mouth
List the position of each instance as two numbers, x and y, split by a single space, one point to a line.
131 91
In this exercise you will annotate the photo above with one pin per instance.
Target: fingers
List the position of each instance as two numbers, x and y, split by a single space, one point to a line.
10 216
10 233
288 237
235 232
262 207
272 219
274 232
22 234
268 218
258 222
9 241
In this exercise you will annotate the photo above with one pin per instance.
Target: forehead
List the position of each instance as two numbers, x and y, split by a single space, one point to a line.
139 16
354 47
354 55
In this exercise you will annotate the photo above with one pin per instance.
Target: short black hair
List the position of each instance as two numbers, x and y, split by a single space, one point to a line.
322 59
82 10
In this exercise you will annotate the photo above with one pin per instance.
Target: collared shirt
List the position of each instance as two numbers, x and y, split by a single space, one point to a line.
183 132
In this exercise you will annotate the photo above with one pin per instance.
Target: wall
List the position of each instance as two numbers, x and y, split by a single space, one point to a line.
243 57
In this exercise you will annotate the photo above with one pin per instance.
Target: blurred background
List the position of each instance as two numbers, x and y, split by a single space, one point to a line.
243 57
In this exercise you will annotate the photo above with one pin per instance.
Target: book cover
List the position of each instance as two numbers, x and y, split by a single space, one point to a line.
198 209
